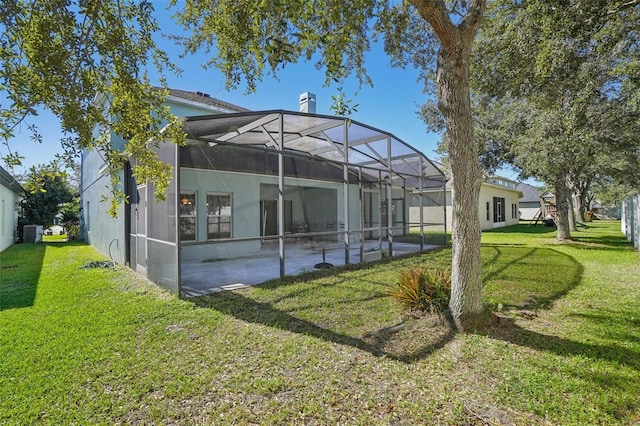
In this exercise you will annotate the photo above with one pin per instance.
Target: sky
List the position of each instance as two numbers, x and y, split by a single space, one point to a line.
390 105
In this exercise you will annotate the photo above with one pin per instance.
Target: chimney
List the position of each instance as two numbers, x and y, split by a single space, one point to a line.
308 102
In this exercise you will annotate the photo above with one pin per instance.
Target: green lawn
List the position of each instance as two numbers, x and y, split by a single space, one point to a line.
102 346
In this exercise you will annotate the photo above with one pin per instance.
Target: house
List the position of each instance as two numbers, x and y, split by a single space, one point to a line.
529 203
10 193
498 203
258 195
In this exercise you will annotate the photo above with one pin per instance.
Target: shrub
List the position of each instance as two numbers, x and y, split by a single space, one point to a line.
423 289
73 232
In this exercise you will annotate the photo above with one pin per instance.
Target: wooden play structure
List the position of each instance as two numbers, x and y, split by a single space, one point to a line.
547 210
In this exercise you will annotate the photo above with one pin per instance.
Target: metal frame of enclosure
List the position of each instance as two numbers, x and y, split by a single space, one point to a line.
294 153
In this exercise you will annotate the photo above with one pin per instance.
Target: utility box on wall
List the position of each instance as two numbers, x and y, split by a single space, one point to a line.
32 234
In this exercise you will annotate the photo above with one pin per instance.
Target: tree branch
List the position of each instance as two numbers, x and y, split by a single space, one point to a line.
473 17
436 14
622 7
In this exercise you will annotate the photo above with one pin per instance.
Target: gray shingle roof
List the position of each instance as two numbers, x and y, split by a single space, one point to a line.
529 193
206 99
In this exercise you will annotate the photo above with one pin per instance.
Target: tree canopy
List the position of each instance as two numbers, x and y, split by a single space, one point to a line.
48 190
554 91
250 39
87 62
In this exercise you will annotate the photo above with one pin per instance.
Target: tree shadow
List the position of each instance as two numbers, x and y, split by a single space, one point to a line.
298 295
521 228
508 331
20 268
521 277
264 313
601 242
496 256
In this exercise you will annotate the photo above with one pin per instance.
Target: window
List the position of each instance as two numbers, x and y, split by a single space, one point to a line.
514 211
188 208
218 215
488 211
498 210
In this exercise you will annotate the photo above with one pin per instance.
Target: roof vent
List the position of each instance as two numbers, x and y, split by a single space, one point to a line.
308 102
206 95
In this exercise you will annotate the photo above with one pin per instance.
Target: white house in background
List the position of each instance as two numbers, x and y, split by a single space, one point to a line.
10 193
497 205
249 185
530 201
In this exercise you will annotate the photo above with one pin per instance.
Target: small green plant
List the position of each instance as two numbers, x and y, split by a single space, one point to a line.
423 289
73 232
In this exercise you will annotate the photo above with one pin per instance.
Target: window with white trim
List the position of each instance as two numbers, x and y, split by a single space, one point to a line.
218 215
188 216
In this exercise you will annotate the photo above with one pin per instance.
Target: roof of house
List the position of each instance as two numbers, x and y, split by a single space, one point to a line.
495 181
529 193
205 98
10 182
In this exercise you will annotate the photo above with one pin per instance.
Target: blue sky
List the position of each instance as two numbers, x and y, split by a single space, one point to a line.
391 104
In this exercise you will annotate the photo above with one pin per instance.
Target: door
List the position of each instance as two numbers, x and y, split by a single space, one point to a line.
269 217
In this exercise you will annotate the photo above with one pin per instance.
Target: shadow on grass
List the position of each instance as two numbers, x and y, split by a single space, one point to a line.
527 277
600 242
521 228
518 277
510 332
20 267
252 311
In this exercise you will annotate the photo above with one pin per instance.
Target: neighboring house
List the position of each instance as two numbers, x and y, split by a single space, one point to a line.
529 204
497 205
273 185
10 194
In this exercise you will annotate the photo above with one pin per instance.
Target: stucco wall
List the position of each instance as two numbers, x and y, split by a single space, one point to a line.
8 217
99 229
487 192
528 210
247 190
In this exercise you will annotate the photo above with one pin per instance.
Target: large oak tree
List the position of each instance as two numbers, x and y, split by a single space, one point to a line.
247 39
561 77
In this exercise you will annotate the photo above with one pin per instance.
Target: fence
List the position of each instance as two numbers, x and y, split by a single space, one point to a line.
631 220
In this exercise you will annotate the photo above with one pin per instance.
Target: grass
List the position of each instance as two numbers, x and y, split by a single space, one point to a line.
55 238
103 346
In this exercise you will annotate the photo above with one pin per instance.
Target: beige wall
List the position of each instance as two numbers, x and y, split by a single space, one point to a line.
8 217
487 193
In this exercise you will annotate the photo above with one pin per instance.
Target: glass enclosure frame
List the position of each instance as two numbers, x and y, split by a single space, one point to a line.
319 179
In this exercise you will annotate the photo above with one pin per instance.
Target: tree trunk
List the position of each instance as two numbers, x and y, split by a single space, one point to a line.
572 214
467 307
562 206
582 192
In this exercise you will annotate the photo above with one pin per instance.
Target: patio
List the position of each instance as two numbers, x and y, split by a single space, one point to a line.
205 277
